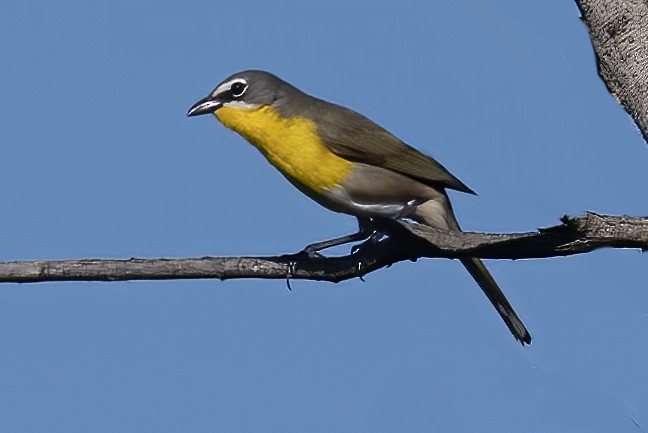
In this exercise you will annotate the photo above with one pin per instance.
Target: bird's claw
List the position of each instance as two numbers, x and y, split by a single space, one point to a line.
293 259
311 253
372 240
291 268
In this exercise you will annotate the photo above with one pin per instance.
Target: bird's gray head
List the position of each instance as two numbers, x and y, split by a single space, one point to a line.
244 89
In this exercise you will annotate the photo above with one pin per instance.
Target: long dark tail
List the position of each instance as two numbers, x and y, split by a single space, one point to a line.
488 284
437 212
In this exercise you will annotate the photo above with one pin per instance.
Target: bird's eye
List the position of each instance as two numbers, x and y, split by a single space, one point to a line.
238 89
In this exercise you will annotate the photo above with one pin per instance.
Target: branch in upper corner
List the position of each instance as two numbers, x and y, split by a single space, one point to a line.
405 241
617 29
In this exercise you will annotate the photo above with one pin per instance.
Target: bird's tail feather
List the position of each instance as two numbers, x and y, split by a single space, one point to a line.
488 284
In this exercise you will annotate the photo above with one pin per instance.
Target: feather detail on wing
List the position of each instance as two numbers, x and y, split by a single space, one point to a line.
356 138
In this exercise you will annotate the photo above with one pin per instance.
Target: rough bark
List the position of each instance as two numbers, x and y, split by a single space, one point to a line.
405 242
618 30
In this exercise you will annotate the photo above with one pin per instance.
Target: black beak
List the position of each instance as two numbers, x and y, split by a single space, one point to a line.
204 106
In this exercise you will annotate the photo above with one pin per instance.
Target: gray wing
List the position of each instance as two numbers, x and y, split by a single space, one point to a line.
358 139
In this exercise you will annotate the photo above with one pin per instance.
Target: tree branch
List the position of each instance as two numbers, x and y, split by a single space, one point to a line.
618 30
405 241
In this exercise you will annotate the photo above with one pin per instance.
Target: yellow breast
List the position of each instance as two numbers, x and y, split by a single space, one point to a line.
292 145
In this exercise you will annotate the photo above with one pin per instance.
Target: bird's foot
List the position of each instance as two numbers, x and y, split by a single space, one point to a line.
305 254
371 241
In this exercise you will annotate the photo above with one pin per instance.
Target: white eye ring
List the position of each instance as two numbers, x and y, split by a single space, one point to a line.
240 90
227 87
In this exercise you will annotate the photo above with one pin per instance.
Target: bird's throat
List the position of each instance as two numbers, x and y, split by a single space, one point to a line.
292 145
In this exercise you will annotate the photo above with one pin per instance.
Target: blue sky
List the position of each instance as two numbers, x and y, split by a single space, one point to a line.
99 160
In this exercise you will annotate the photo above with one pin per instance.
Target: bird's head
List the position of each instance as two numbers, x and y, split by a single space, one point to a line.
245 90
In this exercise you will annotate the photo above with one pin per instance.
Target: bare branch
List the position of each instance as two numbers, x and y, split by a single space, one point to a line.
406 241
619 33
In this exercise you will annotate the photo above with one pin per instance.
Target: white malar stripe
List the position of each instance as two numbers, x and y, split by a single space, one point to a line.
241 104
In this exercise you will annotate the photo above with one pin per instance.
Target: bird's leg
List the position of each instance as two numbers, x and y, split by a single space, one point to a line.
373 238
409 210
365 230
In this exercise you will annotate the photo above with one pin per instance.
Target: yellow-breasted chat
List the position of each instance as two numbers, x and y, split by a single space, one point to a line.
346 163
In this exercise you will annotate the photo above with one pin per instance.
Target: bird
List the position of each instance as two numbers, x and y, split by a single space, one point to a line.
346 163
